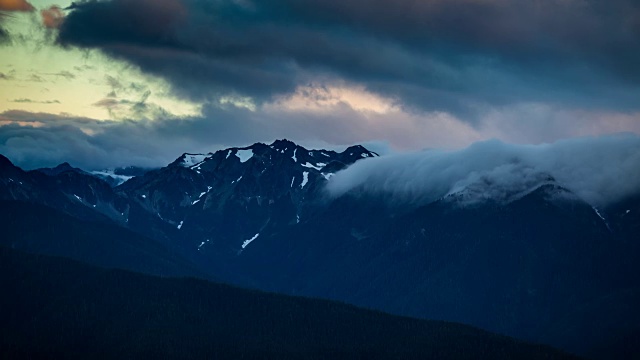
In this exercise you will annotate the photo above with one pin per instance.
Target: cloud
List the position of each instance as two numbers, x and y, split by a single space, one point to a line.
539 123
453 56
4 76
52 17
84 67
6 7
65 74
113 82
139 109
30 101
16 5
600 170
35 140
35 78
4 35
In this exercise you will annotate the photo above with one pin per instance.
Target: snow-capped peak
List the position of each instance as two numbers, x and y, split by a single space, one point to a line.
190 160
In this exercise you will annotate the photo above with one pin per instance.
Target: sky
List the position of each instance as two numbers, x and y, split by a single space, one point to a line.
138 82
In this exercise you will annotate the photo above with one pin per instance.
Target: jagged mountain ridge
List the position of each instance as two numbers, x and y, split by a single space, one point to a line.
227 197
235 193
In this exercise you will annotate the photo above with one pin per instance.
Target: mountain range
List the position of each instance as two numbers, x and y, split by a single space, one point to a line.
542 265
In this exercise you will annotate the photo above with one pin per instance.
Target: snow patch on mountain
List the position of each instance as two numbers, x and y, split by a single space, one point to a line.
244 155
305 179
311 166
193 159
247 242
202 244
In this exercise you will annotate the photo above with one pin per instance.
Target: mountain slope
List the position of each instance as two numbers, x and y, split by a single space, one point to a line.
39 229
54 308
518 268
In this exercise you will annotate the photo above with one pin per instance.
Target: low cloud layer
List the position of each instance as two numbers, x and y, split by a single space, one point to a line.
318 117
38 139
599 170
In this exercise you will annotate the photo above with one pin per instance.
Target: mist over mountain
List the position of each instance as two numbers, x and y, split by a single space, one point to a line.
526 241
600 170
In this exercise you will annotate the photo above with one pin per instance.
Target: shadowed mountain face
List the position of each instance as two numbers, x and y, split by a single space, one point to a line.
40 229
538 265
54 308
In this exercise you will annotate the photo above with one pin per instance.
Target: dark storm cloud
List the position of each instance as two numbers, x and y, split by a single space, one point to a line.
448 55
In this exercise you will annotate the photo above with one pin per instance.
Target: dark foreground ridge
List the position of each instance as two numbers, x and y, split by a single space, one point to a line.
57 308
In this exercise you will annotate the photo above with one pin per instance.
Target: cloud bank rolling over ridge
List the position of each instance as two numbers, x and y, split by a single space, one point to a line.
600 170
